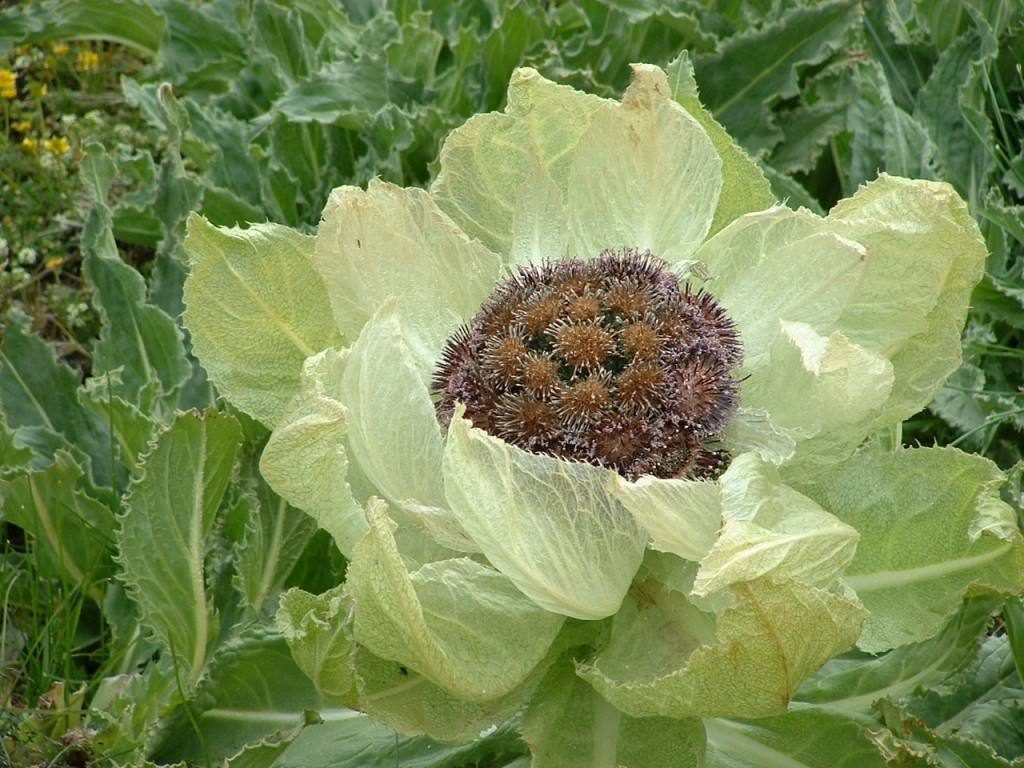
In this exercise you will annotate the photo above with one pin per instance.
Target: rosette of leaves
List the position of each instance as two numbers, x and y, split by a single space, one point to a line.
639 571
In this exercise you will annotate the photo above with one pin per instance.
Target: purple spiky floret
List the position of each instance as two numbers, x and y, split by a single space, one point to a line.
608 361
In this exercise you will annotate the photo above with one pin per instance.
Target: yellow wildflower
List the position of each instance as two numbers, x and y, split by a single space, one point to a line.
59 48
87 60
8 84
58 145
29 145
22 126
54 263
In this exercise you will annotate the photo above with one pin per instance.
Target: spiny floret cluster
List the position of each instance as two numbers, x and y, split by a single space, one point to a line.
606 361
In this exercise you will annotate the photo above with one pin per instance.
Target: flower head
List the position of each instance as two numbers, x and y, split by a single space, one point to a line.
57 145
87 61
608 361
508 410
8 84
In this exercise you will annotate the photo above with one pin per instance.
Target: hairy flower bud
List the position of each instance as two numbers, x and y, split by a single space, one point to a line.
608 361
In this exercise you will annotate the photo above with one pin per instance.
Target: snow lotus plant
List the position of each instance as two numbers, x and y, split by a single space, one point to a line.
609 437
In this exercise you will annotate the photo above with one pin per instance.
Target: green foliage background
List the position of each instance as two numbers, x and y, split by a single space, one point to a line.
254 110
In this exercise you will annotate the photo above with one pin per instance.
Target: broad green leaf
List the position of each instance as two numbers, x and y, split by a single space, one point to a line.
393 431
932 527
568 725
552 526
250 689
312 433
346 92
750 71
15 456
744 187
393 242
947 105
256 308
804 737
457 622
318 629
132 429
135 24
489 163
908 741
853 682
919 237
645 175
394 695
136 337
356 741
667 658
883 135
73 532
807 129
37 391
276 534
772 530
780 265
986 705
173 501
680 516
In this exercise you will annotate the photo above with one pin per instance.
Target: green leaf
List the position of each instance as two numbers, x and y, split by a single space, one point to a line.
136 337
804 737
37 391
853 682
127 22
461 624
173 501
15 456
883 135
550 525
131 428
346 92
753 69
393 242
568 725
312 433
986 706
948 106
250 689
256 309
73 532
276 534
318 629
932 527
807 129
667 658
744 187
359 742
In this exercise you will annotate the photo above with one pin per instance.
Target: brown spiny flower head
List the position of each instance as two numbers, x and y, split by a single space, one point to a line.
608 361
